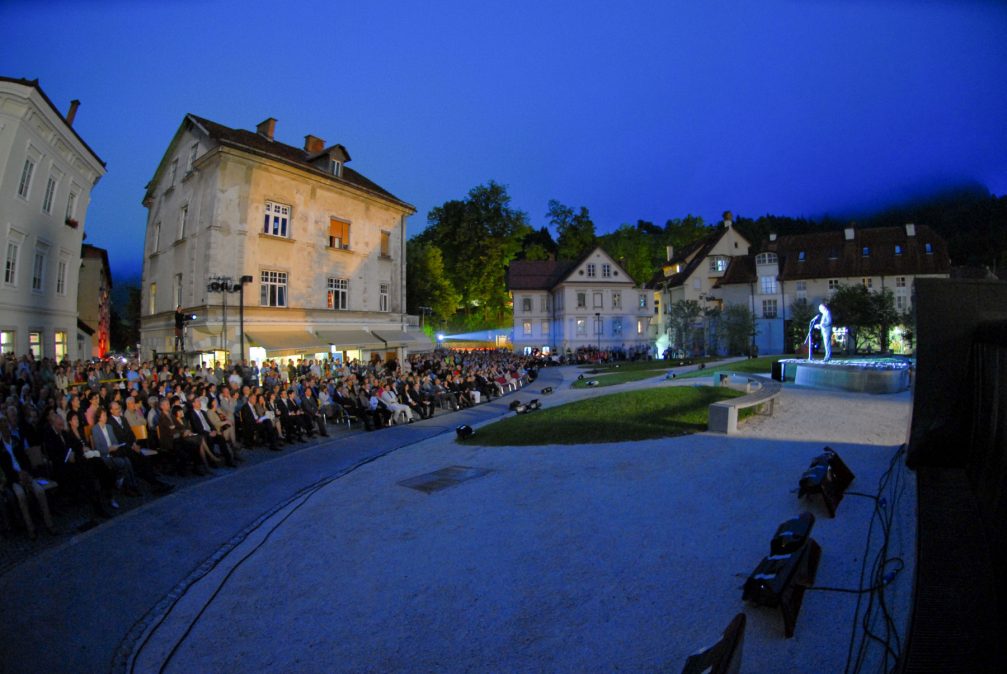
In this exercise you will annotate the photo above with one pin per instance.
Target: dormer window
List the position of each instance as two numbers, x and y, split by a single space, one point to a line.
867 251
928 249
898 249
801 256
336 167
766 258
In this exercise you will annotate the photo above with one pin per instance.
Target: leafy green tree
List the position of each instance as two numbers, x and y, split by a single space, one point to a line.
682 316
852 308
574 230
538 245
884 317
633 249
737 323
801 313
680 232
478 237
427 283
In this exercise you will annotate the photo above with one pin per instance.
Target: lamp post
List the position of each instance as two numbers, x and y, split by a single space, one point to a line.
241 310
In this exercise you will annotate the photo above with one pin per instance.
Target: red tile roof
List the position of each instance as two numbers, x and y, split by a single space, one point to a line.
273 149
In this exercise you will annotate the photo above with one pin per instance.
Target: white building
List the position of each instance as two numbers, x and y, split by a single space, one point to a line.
323 245
47 173
811 267
691 274
561 305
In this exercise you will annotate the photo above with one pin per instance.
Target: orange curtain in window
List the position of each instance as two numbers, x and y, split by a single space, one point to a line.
340 230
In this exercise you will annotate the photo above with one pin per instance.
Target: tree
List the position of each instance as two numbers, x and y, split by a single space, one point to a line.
574 230
538 245
631 247
682 317
884 317
851 308
478 237
801 313
737 322
427 283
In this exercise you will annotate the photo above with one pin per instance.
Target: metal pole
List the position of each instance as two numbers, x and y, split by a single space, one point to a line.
227 289
241 316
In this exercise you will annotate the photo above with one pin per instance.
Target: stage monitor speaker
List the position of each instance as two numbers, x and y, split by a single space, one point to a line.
779 370
827 475
723 657
792 534
464 431
779 581
547 390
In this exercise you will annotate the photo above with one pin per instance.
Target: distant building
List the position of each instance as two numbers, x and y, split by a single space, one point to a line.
811 267
323 245
564 305
47 172
94 297
692 274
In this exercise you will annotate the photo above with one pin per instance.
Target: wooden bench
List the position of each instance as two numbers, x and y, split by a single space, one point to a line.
724 414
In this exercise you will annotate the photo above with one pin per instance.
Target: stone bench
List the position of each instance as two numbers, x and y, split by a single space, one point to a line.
724 414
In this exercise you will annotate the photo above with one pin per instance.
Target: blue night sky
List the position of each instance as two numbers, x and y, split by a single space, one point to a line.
647 110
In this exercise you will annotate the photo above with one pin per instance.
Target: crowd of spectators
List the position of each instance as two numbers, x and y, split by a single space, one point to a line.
101 431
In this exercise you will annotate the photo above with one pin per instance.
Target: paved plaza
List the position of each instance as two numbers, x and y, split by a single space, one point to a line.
610 557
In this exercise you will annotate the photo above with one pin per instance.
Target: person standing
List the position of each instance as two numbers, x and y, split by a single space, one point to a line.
825 328
179 327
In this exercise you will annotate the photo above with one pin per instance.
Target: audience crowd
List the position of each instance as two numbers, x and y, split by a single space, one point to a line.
96 432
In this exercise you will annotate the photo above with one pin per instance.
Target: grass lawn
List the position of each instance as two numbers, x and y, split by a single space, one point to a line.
624 372
754 365
633 415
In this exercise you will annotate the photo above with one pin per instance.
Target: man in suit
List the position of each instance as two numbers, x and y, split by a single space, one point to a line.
69 468
291 417
202 427
16 468
312 415
131 450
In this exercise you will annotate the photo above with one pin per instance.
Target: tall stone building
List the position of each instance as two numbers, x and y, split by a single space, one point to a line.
47 172
94 298
320 246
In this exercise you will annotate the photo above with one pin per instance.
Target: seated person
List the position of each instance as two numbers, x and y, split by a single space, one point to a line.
20 480
200 424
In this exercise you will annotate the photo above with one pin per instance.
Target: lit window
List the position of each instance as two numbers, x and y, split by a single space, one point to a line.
898 249
590 270
639 327
527 328
867 251
767 285
769 308
643 301
35 344
337 296
277 220
606 270
867 282
581 327
59 344
50 193
25 185
10 265
928 249
801 256
339 234
766 258
386 244
383 297
582 300
7 345
61 277
718 264
526 305
273 291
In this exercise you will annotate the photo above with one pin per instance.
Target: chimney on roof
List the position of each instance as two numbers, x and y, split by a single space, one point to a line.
772 236
728 219
670 252
848 232
910 229
72 112
266 128
313 144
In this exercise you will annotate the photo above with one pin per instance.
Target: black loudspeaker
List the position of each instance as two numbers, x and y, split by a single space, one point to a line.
792 534
547 390
779 371
579 377
779 581
593 382
514 404
827 475
534 405
464 432
723 657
